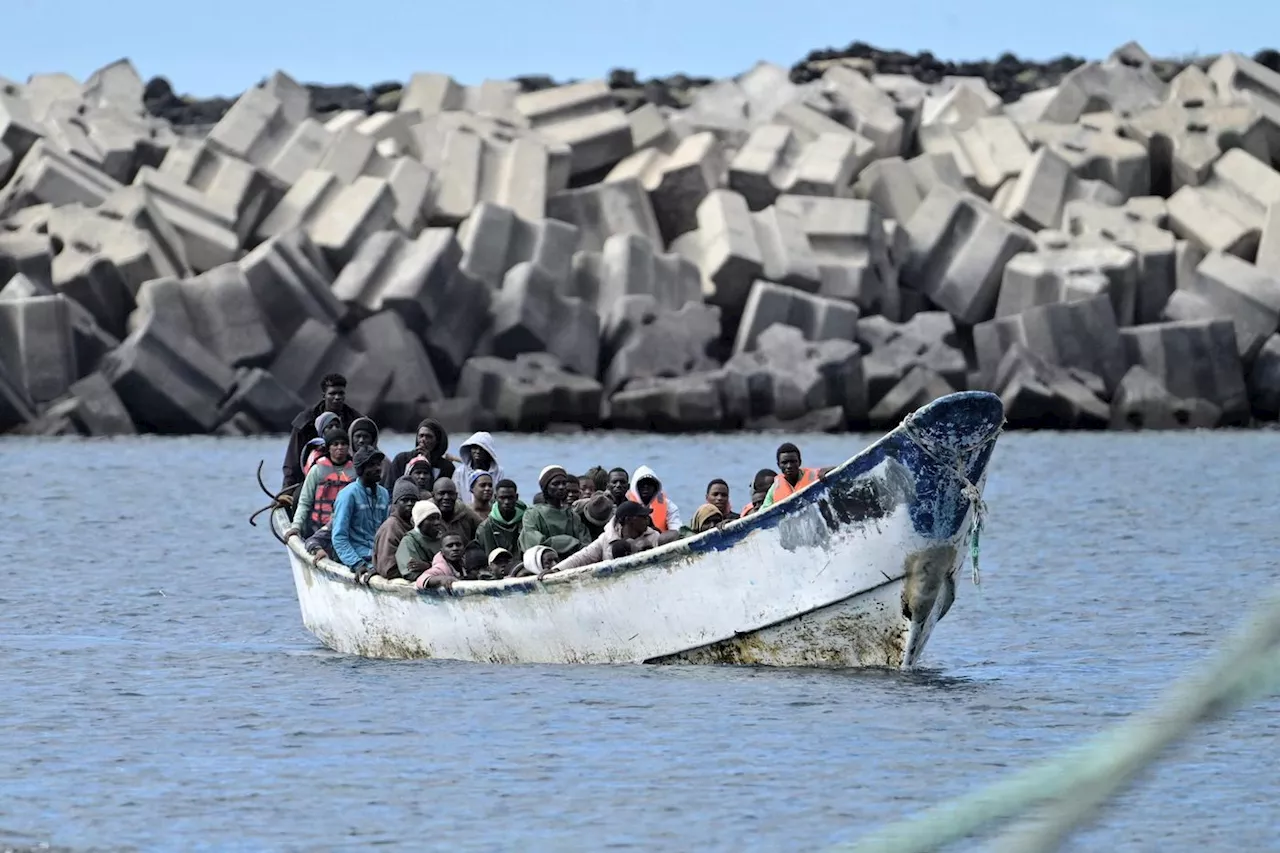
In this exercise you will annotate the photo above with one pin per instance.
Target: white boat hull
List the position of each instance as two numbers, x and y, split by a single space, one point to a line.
854 571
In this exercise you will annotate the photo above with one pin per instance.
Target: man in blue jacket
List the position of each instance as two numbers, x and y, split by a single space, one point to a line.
360 509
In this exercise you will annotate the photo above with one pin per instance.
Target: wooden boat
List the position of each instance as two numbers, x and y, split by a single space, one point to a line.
855 570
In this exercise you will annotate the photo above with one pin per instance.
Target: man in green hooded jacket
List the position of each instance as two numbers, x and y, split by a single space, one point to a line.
501 528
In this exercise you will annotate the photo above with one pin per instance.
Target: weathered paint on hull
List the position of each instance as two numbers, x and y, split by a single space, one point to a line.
854 571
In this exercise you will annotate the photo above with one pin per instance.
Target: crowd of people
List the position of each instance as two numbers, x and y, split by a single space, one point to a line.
432 518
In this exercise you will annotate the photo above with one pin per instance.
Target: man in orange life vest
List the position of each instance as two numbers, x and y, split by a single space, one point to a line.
793 478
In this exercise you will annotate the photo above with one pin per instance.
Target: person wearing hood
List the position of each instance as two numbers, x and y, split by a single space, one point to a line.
705 518
359 511
478 454
400 521
630 523
553 523
501 527
431 442
538 561
333 387
646 490
364 433
420 545
595 513
327 477
456 515
315 447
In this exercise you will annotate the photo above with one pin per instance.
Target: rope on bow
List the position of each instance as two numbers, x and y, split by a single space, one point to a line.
950 459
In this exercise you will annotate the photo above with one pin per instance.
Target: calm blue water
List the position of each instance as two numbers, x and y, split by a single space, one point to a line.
157 690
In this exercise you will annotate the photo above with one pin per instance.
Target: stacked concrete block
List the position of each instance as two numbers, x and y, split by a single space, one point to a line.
37 346
1138 225
852 249
1197 359
494 239
1037 197
959 246
1238 290
646 341
603 210
583 116
775 160
818 318
988 152
484 158
1226 210
1104 252
1061 272
1186 135
530 392
1095 149
1142 402
787 377
893 350
677 181
633 266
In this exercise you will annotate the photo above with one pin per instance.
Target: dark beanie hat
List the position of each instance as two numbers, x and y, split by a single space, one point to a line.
404 488
367 456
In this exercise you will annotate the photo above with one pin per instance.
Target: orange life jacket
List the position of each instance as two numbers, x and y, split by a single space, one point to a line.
327 489
748 509
783 489
658 508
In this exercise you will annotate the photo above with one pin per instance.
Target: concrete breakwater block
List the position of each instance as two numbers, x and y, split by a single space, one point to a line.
825 247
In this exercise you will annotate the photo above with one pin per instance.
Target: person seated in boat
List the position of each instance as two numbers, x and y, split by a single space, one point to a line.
422 472
553 523
793 477
481 493
359 511
646 490
599 478
618 485
421 544
478 454
630 523
404 494
705 518
500 529
475 563
446 566
431 442
760 484
539 561
333 388
456 515
314 448
586 487
573 490
595 513
718 497
364 433
327 477
500 562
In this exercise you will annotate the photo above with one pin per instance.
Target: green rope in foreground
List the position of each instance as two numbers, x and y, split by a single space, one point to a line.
1075 786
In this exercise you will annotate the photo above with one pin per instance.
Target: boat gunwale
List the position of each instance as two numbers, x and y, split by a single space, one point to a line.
733 532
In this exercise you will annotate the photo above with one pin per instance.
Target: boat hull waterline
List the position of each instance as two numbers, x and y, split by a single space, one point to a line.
855 570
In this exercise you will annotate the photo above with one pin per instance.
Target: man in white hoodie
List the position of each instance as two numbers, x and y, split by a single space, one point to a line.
477 454
646 490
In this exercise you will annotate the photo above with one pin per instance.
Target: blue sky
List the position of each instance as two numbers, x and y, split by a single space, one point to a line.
223 47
